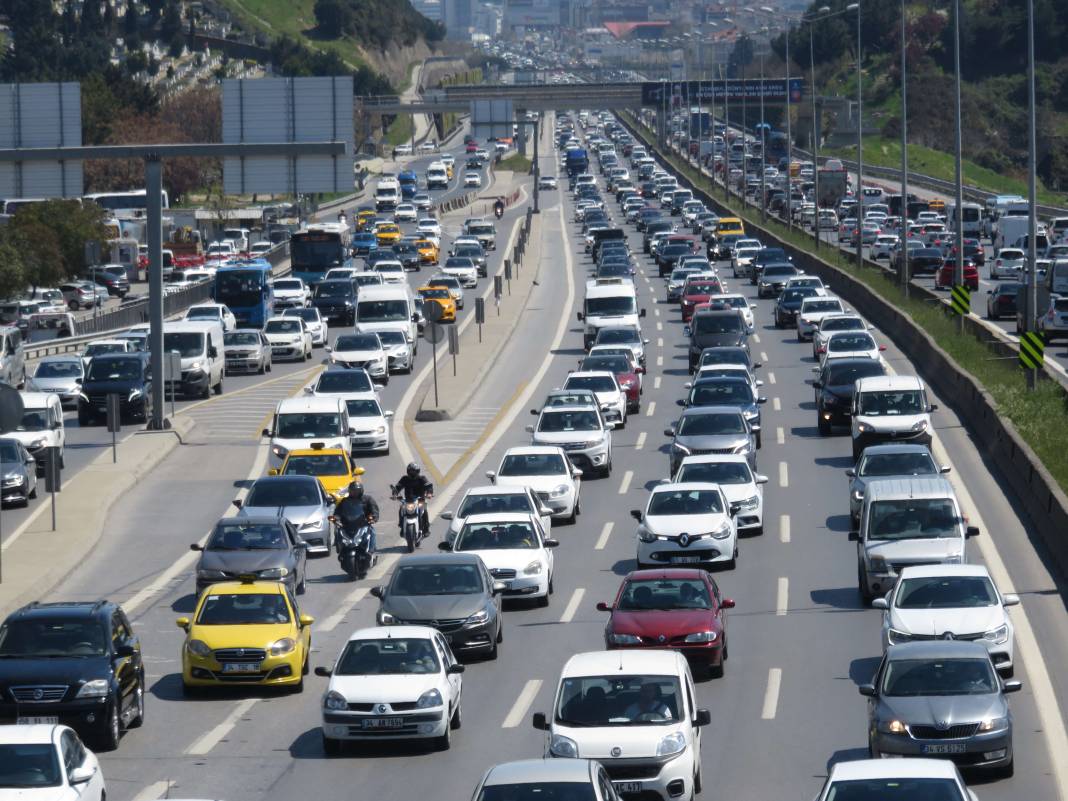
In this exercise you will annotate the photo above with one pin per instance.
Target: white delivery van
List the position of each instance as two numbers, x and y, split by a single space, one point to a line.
437 176
389 307
298 422
41 426
12 356
200 345
609 302
387 194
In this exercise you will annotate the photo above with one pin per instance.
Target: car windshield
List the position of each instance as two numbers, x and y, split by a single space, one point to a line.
946 592
842 324
204 313
344 381
363 407
617 700
811 306
519 535
307 315
845 374
578 420
716 473
391 338
27 765
703 288
319 464
718 324
538 791
496 503
114 370
775 271
357 342
241 338
381 311
307 425
913 518
915 677
435 293
288 283
33 420
903 789
437 580
877 404
9 452
696 425
851 342
333 289
796 295
618 336
664 594
598 383
99 348
533 464
189 344
916 463
243 609
388 657
725 356
52 637
619 304
239 536
287 326
612 364
721 393
277 493
69 369
685 502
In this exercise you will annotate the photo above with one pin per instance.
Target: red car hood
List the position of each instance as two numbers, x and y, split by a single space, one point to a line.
669 622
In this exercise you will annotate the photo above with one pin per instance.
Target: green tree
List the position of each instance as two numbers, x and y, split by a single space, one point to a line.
130 20
50 238
333 17
12 271
171 23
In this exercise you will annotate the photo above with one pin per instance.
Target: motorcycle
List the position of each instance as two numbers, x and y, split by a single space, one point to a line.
353 548
499 210
412 514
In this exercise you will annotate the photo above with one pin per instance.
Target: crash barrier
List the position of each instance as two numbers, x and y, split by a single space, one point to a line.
1042 498
520 246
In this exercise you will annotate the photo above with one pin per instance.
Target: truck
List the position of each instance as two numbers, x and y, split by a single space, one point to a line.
576 161
832 187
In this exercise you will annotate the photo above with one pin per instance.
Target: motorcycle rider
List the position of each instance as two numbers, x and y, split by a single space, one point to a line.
412 486
498 208
356 508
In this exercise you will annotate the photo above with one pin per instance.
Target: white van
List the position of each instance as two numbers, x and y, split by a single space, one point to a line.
609 302
41 426
437 176
12 356
387 194
201 347
298 422
389 307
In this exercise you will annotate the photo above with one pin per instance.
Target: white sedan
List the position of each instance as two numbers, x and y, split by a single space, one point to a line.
48 761
515 549
395 682
744 488
361 350
320 331
850 345
1008 261
369 424
812 311
686 524
392 272
472 179
495 500
547 470
612 399
405 212
428 226
212 312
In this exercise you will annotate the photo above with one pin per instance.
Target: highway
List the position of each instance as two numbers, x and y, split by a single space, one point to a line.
800 642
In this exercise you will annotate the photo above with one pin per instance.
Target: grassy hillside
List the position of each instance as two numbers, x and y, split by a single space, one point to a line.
293 18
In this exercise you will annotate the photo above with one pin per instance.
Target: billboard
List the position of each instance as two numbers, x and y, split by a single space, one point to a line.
773 90
40 115
492 119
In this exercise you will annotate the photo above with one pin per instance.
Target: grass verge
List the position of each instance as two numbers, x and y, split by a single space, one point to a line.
1041 417
400 130
515 163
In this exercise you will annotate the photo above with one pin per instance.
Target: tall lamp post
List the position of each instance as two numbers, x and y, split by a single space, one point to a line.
958 268
903 240
763 148
789 131
1032 222
860 143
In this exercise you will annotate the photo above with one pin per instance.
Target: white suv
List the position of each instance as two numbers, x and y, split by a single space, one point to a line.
580 431
612 399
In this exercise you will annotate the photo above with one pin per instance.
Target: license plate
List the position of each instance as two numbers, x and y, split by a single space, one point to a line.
945 748
241 667
383 723
39 720
628 787
686 560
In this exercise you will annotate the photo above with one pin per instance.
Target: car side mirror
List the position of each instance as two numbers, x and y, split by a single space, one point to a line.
309 390
759 383
880 603
182 623
603 607
932 407
529 429
972 531
686 330
1012 686
378 591
1010 599
455 669
539 722
492 476
636 514
499 587
867 689
680 402
550 543
576 473
236 502
446 515
854 536
945 469
196 546
82 774
265 433
851 473
580 316
762 399
274 471
305 620
817 385
641 313
125 650
325 672
444 546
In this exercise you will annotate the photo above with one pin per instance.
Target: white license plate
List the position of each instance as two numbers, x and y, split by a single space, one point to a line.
628 787
39 720
686 560
945 748
383 723
241 667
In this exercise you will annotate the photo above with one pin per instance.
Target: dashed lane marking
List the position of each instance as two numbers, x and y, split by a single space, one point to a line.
606 532
784 528
771 694
572 605
641 442
205 744
625 485
780 435
650 410
782 597
784 475
522 704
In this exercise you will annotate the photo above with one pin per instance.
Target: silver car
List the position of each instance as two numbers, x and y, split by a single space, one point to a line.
265 547
247 351
941 699
398 350
896 460
299 499
18 472
711 429
59 375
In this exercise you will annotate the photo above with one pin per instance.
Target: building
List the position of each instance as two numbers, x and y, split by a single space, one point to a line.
457 16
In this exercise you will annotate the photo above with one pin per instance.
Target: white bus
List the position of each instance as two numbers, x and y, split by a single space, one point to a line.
133 203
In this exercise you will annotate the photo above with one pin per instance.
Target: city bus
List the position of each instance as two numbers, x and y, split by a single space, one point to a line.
245 287
318 248
133 203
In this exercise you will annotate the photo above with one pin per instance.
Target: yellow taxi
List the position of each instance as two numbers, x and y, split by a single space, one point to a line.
428 251
387 233
245 632
729 225
365 218
448 169
332 466
443 297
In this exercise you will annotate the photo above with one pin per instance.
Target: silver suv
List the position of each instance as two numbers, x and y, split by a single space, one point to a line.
582 433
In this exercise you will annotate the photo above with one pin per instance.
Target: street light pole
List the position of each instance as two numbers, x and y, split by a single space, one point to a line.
1032 222
745 120
904 162
789 142
815 136
958 270
763 149
860 146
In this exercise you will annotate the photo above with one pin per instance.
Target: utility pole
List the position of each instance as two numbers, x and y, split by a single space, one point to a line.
903 241
789 142
1032 222
958 270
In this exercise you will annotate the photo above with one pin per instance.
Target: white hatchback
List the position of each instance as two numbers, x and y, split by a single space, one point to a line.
392 272
495 500
48 761
744 488
686 524
546 470
849 345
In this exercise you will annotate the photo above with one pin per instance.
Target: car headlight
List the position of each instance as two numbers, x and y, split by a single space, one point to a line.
478 618
891 727
380 430
560 490
671 744
534 568
897 636
134 394
279 451
624 639
722 532
920 425
40 442
745 447
877 564
864 428
702 636
750 503
998 635
274 573
312 525
335 701
858 495
994 724
210 574
282 647
198 648
645 535
560 746
14 481
195 366
97 688
428 699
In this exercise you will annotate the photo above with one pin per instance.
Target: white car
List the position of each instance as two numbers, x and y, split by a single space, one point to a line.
611 398
472 178
463 269
930 601
1008 261
212 312
835 322
402 150
361 350
895 778
581 431
392 272
547 182
686 524
883 245
422 201
428 226
260 249
289 338
744 488
742 260
369 423
48 761
806 282
392 682
630 708
812 311
405 212
398 350
320 331
336 272
427 146
548 472
496 500
292 293
850 345
515 549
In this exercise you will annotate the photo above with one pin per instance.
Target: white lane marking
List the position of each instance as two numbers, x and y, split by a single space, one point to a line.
353 598
764 357
606 532
650 409
656 312
572 605
771 695
771 378
641 442
756 338
659 326
154 791
659 361
656 383
782 597
207 742
776 404
780 435
625 485
522 704
784 475
660 342
784 528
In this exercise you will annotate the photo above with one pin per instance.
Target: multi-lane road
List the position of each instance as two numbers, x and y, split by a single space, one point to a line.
801 642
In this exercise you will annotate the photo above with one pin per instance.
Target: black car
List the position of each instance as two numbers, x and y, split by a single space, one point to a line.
124 374
925 260
620 268
408 255
112 278
669 256
722 247
788 304
1001 300
769 256
336 300
473 252
646 216
834 389
78 662
655 226
709 329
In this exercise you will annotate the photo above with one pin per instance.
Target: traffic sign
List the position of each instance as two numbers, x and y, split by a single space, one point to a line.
961 300
433 312
1032 350
434 332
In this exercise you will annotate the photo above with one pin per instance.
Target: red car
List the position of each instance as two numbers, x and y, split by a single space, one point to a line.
627 373
470 147
944 278
678 608
695 292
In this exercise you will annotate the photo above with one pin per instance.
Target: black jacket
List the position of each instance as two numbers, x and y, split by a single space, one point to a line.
353 512
411 488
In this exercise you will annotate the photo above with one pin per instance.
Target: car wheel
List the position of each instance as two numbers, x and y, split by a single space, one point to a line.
263 368
444 742
1007 771
862 585
219 387
109 737
697 779
206 392
139 718
33 493
543 601
332 747
457 719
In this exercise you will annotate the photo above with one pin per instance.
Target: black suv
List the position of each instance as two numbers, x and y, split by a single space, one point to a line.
336 300
76 663
124 374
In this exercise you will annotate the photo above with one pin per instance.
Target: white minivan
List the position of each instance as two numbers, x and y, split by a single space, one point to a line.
41 426
298 422
387 308
200 345
12 356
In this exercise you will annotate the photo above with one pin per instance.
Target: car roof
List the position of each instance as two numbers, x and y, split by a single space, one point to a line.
893 769
530 771
667 573
316 452
493 489
685 485
66 609
653 662
247 588
937 649
888 383
910 487
724 409
389 632
310 403
892 447
293 479
43 733
500 517
934 571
